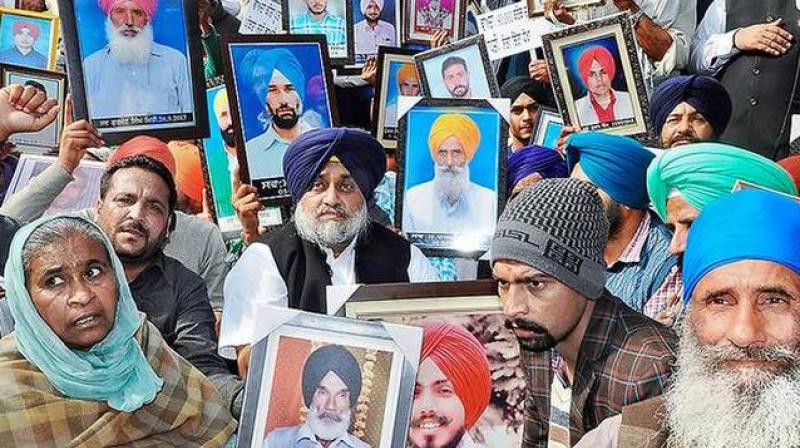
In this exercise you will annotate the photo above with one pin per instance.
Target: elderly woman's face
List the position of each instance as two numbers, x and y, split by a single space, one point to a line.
72 285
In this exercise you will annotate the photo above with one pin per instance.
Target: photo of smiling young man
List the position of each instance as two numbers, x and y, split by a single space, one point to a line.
602 103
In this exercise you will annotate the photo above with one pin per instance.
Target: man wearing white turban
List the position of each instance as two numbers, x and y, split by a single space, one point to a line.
372 32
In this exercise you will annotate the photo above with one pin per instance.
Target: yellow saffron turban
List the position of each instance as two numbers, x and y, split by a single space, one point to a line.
408 72
459 126
221 102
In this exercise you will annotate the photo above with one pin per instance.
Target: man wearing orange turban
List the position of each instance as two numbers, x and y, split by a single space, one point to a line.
407 85
602 104
22 52
451 202
133 75
453 388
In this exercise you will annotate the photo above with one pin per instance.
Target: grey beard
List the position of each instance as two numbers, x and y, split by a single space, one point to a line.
450 184
330 234
708 407
128 50
326 429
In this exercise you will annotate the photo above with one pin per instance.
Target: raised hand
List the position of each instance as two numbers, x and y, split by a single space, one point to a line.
25 109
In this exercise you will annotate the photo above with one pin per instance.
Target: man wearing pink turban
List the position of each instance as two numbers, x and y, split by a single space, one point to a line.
602 104
134 76
372 32
453 388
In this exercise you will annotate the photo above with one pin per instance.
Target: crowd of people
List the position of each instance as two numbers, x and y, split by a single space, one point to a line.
652 286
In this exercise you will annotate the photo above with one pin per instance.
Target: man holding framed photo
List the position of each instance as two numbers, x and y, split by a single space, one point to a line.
526 95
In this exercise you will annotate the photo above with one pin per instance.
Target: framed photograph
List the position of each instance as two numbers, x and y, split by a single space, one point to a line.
54 85
145 78
29 39
474 307
460 70
597 78
451 158
536 7
422 18
278 86
334 378
547 128
377 24
744 185
397 76
82 193
332 19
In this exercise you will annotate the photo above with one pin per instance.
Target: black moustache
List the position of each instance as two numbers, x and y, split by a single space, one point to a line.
525 324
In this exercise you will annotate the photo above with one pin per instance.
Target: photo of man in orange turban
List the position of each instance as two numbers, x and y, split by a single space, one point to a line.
407 85
602 104
453 387
451 202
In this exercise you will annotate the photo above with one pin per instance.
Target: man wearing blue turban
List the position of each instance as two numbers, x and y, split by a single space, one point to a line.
738 377
279 84
641 270
689 109
331 174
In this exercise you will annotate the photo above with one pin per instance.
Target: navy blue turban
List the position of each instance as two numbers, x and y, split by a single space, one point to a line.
704 93
615 164
542 93
336 359
746 225
308 154
535 159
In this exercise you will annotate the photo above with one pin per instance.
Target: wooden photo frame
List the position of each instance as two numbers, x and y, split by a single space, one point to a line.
459 70
451 223
394 78
163 97
303 60
54 84
596 63
43 31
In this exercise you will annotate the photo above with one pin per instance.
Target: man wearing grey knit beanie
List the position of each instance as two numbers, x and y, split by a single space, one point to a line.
585 353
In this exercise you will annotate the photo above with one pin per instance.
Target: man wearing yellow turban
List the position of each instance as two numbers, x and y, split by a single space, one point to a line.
451 202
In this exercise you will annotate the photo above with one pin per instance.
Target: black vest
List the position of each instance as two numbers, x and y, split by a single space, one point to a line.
761 86
382 256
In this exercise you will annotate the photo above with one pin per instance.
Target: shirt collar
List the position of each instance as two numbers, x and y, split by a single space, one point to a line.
633 251
272 135
305 432
330 258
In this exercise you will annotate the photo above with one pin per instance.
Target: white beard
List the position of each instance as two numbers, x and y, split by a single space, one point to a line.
708 407
325 429
130 50
330 233
451 184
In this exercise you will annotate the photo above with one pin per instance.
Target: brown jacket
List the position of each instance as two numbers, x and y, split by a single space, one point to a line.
643 425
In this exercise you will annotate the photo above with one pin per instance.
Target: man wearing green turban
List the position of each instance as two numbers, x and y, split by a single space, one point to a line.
681 183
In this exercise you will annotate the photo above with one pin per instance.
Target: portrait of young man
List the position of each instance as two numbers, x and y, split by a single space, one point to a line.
375 29
25 34
602 103
326 17
133 74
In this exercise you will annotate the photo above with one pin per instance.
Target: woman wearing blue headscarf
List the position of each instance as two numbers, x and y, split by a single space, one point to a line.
83 367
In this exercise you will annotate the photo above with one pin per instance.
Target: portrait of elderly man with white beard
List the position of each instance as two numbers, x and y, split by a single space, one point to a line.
737 384
450 202
331 386
133 75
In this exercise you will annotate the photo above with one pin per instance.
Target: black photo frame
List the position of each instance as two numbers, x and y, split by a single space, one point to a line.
430 233
119 128
433 84
350 57
386 135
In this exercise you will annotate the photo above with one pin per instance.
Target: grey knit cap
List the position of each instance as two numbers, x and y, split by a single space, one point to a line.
559 227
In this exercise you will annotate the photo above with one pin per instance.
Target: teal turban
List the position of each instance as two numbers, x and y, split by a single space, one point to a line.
279 59
615 164
114 370
702 172
746 225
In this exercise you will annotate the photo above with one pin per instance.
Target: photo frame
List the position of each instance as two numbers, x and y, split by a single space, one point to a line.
421 20
744 185
471 136
615 101
387 30
165 98
444 70
389 79
43 34
379 360
536 7
303 60
297 21
81 193
475 307
54 84
547 128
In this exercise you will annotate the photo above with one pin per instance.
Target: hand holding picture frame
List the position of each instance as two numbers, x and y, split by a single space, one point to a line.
460 70
129 82
444 143
29 39
467 315
54 86
396 76
597 78
299 357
